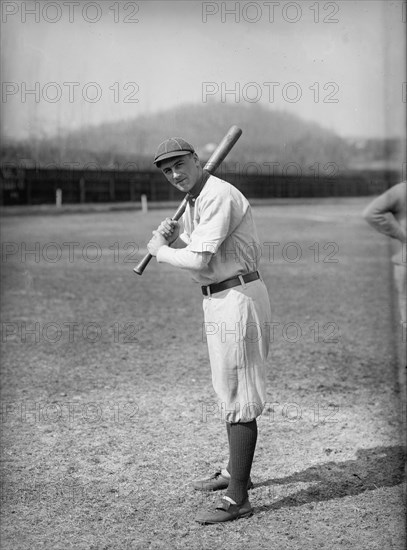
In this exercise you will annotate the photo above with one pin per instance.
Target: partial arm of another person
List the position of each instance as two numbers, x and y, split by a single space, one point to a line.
382 212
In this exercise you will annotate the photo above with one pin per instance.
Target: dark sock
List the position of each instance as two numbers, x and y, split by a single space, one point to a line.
228 432
243 438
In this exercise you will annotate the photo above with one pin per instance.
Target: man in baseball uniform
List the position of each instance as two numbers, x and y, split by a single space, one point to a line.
220 248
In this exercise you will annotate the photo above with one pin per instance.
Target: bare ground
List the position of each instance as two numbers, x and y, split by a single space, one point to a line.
107 405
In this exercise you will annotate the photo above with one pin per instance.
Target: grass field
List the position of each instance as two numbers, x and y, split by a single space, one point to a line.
108 410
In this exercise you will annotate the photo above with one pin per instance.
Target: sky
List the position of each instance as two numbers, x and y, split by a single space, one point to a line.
67 64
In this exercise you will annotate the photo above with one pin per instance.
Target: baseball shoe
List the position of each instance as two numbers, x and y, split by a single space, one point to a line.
225 511
219 480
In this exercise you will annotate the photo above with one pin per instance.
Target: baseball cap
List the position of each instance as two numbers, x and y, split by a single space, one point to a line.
172 147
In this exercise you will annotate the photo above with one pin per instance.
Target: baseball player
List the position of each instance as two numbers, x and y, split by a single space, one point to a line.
219 246
387 214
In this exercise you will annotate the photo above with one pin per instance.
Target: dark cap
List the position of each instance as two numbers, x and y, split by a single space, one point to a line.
172 147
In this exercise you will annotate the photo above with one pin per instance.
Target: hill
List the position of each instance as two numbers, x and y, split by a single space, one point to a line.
268 136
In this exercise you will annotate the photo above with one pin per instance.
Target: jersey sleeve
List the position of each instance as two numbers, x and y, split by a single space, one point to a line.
218 217
183 258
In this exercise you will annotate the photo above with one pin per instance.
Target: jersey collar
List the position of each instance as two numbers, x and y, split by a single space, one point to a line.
198 188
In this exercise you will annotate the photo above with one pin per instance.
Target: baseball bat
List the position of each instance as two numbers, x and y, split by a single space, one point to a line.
215 160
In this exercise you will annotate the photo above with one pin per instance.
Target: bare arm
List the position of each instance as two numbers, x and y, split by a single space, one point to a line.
383 212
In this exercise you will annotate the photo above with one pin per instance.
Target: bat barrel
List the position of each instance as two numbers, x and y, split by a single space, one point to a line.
224 148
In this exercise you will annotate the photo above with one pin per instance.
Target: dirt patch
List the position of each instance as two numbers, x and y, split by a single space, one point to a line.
108 410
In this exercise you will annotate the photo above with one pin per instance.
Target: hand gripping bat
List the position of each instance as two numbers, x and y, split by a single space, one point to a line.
217 157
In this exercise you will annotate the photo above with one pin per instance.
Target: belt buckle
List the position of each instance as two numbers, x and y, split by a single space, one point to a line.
242 281
208 291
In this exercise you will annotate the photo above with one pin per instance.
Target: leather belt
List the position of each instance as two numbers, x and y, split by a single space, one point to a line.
229 283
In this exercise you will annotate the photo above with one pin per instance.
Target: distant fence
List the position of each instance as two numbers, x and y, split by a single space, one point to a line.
21 186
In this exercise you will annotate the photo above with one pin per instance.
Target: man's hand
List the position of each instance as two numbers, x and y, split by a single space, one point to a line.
169 229
156 243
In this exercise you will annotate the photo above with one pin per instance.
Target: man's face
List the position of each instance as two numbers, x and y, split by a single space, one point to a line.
182 172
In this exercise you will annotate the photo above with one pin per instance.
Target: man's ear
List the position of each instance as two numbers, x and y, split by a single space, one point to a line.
196 159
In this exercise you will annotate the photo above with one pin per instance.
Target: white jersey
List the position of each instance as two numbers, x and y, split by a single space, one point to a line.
221 222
